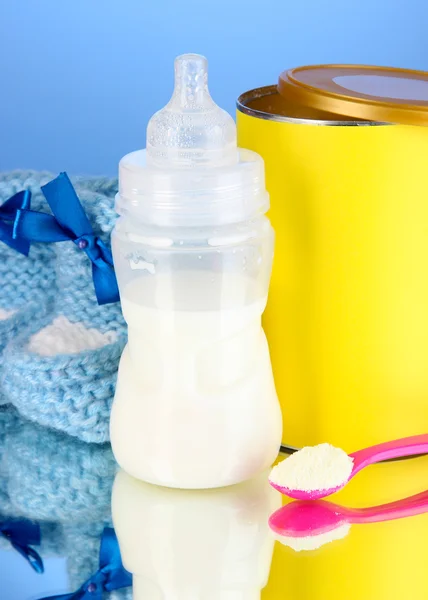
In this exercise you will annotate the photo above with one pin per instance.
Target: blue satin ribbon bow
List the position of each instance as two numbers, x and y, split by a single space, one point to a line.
22 534
8 211
69 222
110 576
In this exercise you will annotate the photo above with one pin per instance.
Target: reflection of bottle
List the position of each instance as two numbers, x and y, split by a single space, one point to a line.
195 545
195 403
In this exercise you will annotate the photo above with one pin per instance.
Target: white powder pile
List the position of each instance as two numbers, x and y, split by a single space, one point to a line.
64 337
313 468
313 542
5 314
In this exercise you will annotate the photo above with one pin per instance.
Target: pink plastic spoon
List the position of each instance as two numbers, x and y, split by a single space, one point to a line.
410 446
305 519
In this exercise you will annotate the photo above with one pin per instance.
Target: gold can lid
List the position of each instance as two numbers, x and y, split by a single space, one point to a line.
371 93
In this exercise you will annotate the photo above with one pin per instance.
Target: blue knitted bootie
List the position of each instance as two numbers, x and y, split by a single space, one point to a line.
61 372
27 283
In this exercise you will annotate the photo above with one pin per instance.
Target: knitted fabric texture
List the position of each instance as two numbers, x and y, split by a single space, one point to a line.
51 533
25 280
68 392
76 296
52 476
64 485
48 378
27 283
8 422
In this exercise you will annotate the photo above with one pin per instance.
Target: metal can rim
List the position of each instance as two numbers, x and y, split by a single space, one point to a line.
268 90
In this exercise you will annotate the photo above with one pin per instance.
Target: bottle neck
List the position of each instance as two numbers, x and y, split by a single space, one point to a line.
200 197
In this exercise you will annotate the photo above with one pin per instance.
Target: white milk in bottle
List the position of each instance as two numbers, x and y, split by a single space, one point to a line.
195 403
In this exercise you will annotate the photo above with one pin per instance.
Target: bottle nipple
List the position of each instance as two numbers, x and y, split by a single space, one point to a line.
191 130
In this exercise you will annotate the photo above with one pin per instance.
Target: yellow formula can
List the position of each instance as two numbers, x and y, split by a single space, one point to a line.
347 317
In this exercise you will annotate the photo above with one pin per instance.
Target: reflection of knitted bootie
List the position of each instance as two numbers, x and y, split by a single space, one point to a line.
49 475
52 476
8 421
82 543
62 373
50 533
33 541
27 282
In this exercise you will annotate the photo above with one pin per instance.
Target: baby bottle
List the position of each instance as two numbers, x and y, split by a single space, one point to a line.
195 404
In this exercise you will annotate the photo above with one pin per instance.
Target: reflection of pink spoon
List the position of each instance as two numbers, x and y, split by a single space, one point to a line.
417 444
306 525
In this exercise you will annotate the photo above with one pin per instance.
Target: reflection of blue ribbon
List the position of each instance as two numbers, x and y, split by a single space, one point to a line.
21 533
110 576
69 222
8 212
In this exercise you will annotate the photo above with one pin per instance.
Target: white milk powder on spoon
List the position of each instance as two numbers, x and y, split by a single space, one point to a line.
320 467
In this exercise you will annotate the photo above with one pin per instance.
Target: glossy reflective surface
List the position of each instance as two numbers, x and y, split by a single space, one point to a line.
202 545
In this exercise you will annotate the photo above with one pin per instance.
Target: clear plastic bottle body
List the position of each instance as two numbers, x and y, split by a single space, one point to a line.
195 404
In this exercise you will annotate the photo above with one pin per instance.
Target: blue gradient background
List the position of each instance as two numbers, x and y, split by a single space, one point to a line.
80 79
